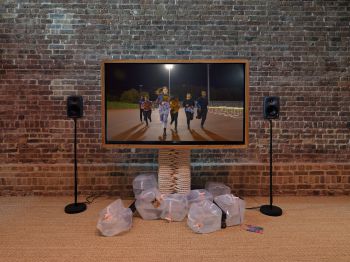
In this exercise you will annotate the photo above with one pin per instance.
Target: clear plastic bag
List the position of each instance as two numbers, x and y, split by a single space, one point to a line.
144 182
234 208
198 195
204 217
148 204
217 188
174 207
114 219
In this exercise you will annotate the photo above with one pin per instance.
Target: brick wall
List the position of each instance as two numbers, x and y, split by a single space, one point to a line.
298 50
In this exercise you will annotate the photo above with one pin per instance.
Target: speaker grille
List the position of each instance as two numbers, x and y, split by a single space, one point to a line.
271 107
75 106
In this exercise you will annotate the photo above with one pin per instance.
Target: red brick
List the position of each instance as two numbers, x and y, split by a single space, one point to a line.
40 71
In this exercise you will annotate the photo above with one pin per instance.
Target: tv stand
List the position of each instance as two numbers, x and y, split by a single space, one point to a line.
174 171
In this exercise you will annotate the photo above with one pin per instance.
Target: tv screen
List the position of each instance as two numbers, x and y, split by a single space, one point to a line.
192 103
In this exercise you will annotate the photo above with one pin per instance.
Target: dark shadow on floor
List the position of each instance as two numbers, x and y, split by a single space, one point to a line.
196 136
138 135
174 135
162 138
124 135
214 136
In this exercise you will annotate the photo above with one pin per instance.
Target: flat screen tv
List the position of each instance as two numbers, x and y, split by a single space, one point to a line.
175 103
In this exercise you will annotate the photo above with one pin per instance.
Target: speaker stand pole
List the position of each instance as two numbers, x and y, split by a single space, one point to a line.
75 207
271 210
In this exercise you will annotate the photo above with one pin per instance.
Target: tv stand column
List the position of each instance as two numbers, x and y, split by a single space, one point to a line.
174 171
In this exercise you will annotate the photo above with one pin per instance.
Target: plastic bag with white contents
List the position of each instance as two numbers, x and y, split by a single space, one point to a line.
174 207
204 217
114 219
144 182
198 195
217 188
148 204
233 207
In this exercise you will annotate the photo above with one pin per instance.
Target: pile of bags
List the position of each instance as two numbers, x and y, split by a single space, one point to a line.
207 210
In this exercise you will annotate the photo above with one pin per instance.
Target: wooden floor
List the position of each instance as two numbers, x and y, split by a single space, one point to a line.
311 229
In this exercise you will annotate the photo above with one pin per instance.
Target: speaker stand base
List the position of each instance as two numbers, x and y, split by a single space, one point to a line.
75 208
271 210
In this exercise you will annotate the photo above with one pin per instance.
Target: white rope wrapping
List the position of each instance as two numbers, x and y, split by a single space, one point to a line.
174 172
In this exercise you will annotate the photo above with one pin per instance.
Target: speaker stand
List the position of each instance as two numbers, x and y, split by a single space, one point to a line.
75 207
271 210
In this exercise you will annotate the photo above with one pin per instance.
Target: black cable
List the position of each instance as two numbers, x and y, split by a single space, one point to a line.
133 206
223 216
93 196
249 208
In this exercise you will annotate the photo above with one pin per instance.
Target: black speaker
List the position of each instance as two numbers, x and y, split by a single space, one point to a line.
271 107
75 106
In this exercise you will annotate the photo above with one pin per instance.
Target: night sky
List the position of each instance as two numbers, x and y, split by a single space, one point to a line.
226 80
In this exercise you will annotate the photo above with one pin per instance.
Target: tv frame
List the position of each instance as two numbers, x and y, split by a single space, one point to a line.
182 145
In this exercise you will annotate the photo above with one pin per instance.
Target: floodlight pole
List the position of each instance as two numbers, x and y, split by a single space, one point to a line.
169 67
208 84
169 81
